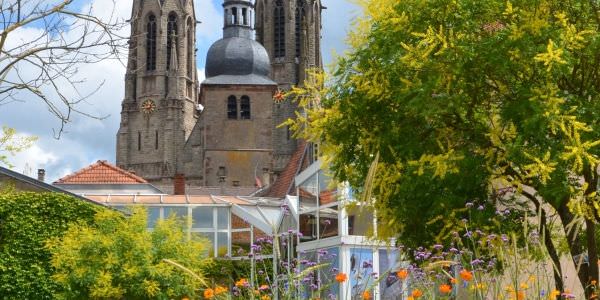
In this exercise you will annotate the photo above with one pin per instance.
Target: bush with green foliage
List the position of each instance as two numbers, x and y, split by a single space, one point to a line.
27 220
118 258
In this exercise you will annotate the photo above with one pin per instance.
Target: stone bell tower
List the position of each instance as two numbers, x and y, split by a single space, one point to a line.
161 88
290 30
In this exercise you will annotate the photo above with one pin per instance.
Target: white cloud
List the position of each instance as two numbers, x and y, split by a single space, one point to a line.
211 15
28 161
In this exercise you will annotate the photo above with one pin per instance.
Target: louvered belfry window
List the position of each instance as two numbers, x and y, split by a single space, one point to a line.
279 29
171 37
298 31
151 43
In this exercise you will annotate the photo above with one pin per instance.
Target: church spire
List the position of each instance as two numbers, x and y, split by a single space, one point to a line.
238 15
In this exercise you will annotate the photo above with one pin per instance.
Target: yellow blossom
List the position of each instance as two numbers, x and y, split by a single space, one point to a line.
551 57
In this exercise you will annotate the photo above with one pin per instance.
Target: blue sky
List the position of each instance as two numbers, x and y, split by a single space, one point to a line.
86 140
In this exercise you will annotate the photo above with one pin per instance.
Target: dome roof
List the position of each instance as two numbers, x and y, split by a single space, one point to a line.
237 56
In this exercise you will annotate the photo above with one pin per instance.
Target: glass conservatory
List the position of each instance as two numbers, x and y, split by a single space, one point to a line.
232 224
333 230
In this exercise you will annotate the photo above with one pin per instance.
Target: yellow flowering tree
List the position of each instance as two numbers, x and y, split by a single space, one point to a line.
118 258
490 101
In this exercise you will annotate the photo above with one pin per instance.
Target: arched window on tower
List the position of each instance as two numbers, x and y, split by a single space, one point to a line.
245 108
231 108
279 30
151 43
234 12
171 37
190 48
245 16
300 13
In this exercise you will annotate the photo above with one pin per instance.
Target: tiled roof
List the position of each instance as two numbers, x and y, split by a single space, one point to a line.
101 172
26 183
284 183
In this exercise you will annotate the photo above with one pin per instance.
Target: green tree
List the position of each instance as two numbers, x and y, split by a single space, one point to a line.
490 101
11 143
27 220
118 258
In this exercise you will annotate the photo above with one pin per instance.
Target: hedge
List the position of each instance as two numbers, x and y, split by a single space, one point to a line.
27 221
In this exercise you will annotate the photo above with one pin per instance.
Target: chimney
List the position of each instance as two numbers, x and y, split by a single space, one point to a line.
41 175
179 184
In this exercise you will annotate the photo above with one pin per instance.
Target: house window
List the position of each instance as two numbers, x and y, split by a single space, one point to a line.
151 43
245 108
279 29
139 141
171 37
232 108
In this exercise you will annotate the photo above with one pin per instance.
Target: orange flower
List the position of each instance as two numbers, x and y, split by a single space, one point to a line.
341 277
209 294
241 282
185 298
453 280
594 282
416 293
402 274
265 297
445 288
466 275
366 295
554 293
410 298
220 290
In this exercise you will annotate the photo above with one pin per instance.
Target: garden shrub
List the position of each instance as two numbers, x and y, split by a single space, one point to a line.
117 257
27 220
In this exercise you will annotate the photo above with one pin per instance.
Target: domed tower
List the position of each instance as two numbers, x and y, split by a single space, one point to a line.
236 125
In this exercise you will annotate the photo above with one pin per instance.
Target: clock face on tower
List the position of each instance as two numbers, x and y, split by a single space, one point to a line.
148 107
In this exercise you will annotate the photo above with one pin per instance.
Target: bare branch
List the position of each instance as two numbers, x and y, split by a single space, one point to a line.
45 63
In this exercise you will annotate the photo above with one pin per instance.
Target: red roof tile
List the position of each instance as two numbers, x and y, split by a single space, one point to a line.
285 181
101 172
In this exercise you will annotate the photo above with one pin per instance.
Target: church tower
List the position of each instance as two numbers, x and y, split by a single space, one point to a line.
232 143
161 88
290 30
